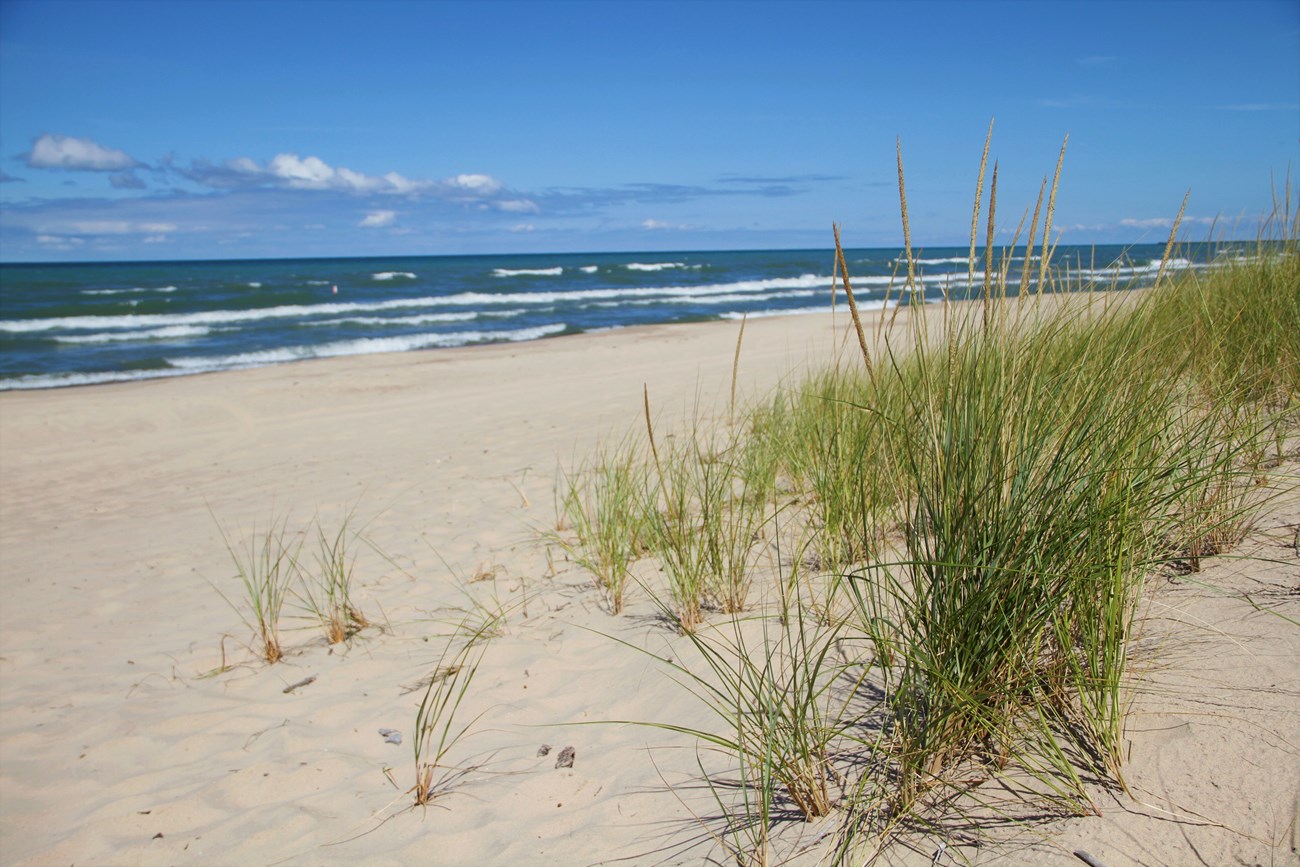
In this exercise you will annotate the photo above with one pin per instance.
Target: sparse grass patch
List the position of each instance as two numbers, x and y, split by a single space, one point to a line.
437 726
605 505
265 563
327 594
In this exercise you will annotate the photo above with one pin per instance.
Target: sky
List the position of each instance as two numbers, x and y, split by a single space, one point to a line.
241 129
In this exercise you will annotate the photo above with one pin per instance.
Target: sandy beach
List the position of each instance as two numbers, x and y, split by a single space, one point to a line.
123 742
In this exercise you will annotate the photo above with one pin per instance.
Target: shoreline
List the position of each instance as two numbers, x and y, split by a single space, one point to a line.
117 746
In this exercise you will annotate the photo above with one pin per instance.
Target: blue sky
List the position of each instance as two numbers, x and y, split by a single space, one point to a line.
188 129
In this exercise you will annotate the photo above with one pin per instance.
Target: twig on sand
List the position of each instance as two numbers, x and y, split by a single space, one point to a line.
291 687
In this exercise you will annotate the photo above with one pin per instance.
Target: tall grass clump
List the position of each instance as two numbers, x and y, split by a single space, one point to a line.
1046 456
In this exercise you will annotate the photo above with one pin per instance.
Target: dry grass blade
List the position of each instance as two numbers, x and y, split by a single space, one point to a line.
1045 256
1029 243
735 367
975 212
1173 236
988 243
853 304
907 228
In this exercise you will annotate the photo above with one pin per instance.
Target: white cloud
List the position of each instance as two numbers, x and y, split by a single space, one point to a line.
59 241
518 206
293 172
1164 222
655 225
1153 223
376 219
523 227
107 227
77 154
480 184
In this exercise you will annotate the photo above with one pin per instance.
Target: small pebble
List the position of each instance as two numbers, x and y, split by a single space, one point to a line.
392 736
566 758
543 750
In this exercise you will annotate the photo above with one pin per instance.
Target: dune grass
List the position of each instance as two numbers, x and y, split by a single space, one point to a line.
266 564
438 725
986 500
603 506
327 593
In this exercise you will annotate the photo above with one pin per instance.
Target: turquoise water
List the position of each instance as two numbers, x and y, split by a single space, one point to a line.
79 324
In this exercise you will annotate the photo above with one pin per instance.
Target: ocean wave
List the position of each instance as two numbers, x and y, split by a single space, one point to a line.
360 346
68 380
211 317
170 333
804 281
656 266
947 260
392 275
797 311
132 291
589 269
729 298
527 272
420 319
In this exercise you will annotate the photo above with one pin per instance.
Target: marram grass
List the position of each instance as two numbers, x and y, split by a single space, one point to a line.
988 504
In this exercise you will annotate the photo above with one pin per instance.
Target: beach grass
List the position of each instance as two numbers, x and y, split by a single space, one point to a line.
438 720
327 594
266 564
987 501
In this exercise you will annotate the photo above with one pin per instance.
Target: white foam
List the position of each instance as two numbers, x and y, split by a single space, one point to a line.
804 281
361 346
656 266
254 285
392 275
589 269
949 260
132 291
170 333
65 380
420 319
211 317
527 272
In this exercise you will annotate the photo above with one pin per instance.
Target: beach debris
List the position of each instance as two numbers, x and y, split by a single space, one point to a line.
566 758
543 750
392 736
1087 859
306 680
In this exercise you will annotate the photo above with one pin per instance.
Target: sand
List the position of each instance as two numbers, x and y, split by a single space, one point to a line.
123 742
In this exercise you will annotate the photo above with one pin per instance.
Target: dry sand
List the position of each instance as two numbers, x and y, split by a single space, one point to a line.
119 745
